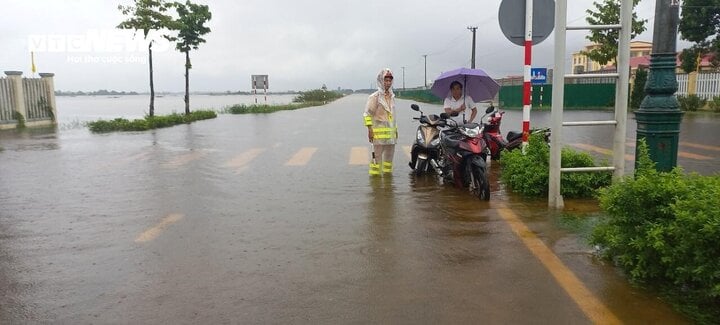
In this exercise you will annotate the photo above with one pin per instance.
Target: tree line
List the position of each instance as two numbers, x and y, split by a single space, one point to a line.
178 22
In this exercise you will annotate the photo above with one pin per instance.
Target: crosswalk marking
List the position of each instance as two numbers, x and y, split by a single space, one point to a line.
406 149
685 154
184 159
604 151
302 157
240 161
699 146
359 156
155 231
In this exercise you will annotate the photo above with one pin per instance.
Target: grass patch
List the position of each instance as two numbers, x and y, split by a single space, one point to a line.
310 98
149 122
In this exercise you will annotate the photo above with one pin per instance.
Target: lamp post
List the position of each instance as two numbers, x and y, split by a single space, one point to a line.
659 116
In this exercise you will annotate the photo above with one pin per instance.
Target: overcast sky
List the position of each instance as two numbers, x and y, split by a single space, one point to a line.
300 44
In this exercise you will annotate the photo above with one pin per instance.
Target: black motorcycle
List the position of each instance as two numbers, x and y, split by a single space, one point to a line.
425 150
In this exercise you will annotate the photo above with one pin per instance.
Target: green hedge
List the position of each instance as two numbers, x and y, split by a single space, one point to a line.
419 95
317 96
149 122
264 109
528 174
663 229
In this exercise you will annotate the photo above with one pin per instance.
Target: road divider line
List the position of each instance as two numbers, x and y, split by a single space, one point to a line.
601 150
407 149
240 161
593 308
184 159
302 157
155 231
359 156
683 153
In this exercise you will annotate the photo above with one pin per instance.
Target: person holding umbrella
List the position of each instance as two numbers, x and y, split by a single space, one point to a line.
380 121
457 102
465 86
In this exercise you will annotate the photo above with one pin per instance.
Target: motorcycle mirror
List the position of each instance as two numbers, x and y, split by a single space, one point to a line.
415 107
490 109
444 116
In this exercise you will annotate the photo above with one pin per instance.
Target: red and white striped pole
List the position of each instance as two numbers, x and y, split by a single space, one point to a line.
527 88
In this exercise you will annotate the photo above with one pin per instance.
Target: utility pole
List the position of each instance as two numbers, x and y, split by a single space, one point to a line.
473 29
425 82
403 76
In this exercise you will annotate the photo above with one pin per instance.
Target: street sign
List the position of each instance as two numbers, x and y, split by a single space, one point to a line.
512 20
538 76
260 81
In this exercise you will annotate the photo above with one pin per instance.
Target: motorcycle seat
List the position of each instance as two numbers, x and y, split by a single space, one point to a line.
512 135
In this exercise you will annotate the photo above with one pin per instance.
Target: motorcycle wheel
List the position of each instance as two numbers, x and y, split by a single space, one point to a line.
479 184
420 166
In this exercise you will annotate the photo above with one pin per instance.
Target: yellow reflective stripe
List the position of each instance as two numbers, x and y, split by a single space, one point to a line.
374 169
384 130
368 121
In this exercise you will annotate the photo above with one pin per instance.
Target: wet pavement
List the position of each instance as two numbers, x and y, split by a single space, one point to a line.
266 219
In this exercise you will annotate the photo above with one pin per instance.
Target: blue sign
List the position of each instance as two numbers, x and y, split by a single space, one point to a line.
538 76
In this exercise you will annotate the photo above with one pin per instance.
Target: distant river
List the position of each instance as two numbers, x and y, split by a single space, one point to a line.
72 110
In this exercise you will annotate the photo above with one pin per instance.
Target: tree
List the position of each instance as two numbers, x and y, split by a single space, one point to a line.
700 24
147 15
191 27
608 13
638 91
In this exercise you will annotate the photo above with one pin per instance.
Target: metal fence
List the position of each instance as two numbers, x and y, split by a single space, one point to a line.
36 101
707 85
7 98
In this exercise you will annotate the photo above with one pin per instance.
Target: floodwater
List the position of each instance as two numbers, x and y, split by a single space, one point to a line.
259 219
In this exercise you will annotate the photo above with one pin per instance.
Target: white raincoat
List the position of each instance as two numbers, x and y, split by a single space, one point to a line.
380 113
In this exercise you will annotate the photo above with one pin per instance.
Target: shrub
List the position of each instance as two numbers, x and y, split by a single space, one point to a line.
663 229
691 102
317 95
528 173
149 122
715 104
638 90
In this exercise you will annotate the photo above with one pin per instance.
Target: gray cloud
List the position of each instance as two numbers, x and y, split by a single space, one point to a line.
300 44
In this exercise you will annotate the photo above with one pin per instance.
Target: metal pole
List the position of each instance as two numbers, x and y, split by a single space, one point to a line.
555 200
527 88
403 76
621 100
472 60
425 82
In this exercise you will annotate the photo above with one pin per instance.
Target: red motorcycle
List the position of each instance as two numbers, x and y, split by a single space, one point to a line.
513 140
463 152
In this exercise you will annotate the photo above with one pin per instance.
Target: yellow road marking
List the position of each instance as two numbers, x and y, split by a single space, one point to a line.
604 151
593 308
184 159
686 154
240 161
407 149
359 156
302 157
153 232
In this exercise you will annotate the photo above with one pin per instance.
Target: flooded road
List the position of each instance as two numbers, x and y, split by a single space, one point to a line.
260 219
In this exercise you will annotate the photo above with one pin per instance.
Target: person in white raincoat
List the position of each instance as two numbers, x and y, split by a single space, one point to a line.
380 120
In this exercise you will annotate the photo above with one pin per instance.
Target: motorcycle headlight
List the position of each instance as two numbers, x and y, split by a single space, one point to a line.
420 135
435 141
471 132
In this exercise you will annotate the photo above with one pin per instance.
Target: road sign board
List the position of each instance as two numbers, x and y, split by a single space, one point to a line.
512 20
538 76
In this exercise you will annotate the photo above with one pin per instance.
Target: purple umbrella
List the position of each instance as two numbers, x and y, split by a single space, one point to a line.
476 83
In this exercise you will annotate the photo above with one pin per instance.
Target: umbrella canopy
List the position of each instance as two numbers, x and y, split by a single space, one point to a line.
476 83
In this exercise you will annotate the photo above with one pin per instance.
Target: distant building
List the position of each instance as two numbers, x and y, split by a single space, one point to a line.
583 64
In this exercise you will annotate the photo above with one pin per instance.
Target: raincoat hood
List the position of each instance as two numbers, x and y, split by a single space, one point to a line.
381 79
